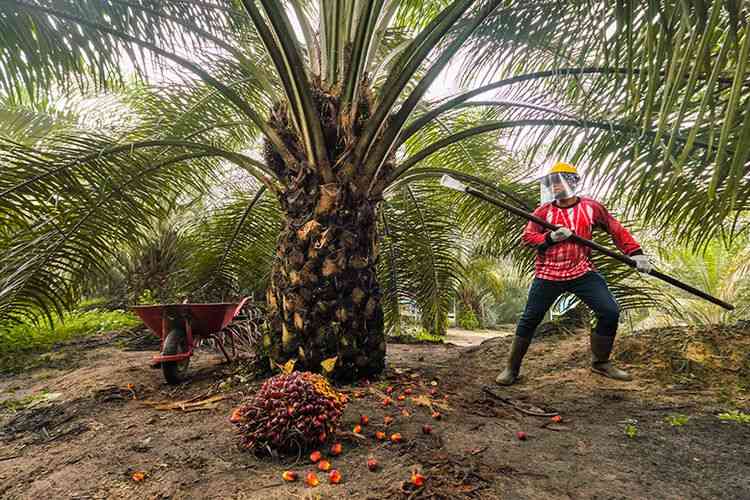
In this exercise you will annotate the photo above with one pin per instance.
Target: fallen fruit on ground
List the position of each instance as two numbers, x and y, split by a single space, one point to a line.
387 420
324 465
408 391
315 456
396 437
387 401
521 435
436 415
312 479
401 397
417 479
556 419
364 419
139 476
426 429
380 436
289 475
336 449
389 389
289 411
334 477
372 464
236 416
357 429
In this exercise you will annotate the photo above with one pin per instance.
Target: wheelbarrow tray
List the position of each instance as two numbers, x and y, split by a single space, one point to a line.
205 319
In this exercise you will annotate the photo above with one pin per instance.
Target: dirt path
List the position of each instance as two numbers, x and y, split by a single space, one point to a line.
466 338
83 436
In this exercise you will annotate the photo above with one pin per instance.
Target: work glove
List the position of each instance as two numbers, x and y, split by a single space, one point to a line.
642 263
560 234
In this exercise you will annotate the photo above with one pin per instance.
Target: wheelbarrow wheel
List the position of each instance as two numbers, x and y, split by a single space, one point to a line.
175 371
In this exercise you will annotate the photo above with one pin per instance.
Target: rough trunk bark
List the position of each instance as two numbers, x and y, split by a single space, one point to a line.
324 299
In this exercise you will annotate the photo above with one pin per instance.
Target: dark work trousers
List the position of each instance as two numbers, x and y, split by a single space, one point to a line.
590 288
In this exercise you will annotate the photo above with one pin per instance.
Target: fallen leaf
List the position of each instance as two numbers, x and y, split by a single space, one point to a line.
556 427
289 366
328 364
187 405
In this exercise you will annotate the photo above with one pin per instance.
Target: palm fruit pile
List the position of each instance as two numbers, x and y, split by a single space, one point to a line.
290 411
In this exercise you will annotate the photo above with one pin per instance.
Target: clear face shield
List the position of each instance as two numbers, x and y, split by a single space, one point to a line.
559 186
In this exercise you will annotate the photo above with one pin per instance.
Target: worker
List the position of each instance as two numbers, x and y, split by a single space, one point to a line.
565 266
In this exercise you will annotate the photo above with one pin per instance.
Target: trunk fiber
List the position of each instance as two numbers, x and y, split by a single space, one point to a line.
324 299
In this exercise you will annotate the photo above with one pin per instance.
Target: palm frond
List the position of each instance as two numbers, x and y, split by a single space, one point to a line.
419 257
234 243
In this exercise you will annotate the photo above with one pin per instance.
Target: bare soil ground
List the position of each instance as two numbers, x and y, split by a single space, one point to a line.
82 427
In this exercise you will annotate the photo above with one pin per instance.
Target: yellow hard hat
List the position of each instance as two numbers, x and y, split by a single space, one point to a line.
563 168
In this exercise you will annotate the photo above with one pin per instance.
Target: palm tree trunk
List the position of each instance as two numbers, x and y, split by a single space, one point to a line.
324 298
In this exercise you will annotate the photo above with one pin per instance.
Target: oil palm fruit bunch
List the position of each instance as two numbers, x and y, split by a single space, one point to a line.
291 411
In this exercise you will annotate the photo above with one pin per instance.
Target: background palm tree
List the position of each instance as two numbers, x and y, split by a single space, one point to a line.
653 96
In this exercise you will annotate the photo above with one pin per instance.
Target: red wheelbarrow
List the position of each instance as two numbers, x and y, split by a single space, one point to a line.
181 327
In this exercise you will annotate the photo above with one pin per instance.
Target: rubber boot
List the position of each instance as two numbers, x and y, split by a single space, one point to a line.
601 348
517 352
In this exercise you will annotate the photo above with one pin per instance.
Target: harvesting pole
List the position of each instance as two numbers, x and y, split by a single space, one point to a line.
456 185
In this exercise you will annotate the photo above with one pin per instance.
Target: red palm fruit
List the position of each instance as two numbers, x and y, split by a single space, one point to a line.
417 479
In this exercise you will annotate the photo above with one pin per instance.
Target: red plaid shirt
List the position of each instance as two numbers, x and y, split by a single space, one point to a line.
568 260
